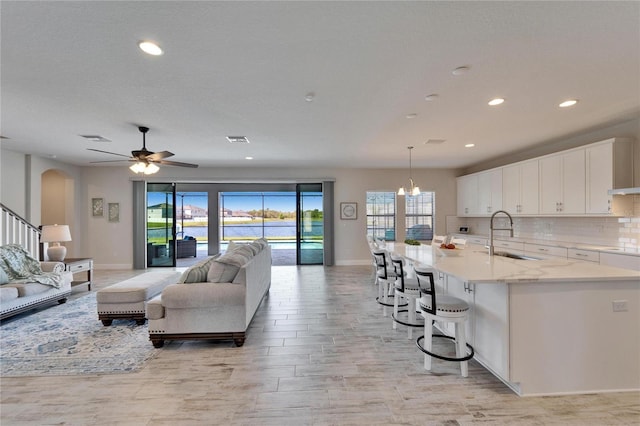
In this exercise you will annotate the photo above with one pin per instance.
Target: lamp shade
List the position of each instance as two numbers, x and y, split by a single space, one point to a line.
55 233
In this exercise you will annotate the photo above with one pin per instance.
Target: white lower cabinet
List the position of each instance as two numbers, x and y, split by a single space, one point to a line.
488 326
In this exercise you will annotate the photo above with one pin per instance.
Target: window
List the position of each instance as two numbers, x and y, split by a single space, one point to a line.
419 216
381 215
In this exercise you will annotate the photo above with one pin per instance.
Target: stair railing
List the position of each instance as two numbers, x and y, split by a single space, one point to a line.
14 229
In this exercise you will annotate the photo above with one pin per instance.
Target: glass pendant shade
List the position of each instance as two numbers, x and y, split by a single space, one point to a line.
413 189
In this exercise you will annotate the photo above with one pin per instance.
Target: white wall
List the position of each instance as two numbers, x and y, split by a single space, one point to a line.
110 244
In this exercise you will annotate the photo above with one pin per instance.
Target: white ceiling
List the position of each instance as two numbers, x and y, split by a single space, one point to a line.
244 68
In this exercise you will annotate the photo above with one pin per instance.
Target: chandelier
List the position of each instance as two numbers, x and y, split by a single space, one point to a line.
413 189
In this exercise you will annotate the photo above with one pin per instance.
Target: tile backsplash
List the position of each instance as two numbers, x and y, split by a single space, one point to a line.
623 232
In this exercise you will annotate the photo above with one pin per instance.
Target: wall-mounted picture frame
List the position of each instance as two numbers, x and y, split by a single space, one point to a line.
97 207
348 211
114 212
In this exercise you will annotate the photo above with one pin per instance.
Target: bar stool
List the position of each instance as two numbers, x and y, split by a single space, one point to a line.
444 309
386 277
406 289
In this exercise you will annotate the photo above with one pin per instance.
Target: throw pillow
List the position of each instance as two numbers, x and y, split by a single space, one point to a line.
245 251
222 272
197 273
4 278
225 268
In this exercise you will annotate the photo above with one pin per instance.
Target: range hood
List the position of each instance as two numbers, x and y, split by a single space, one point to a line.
624 191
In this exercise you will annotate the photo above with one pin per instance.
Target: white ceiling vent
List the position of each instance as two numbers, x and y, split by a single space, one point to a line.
434 141
95 138
237 139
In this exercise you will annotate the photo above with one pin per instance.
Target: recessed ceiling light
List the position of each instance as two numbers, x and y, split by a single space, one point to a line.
431 97
412 115
568 103
496 101
470 145
248 158
309 97
460 71
150 47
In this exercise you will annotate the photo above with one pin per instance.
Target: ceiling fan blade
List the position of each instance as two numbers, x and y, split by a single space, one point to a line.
159 155
107 152
109 161
175 163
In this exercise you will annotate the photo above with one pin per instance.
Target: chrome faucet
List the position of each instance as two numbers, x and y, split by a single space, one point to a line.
491 229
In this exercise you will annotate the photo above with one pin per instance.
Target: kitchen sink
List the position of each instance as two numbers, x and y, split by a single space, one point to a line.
515 256
511 255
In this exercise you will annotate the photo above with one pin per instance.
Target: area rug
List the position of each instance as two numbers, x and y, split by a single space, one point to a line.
69 339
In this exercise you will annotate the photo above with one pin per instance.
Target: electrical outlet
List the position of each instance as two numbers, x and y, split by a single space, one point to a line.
619 306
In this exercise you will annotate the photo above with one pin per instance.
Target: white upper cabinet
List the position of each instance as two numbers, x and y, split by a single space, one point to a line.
520 188
467 195
609 165
571 182
480 194
562 183
489 191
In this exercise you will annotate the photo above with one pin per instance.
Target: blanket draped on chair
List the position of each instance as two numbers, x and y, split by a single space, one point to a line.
21 267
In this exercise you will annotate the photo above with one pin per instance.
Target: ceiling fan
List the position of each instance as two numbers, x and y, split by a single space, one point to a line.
145 160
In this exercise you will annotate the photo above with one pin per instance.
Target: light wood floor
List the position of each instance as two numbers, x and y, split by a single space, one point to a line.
318 352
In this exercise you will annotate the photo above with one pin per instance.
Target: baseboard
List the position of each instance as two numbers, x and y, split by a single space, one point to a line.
113 266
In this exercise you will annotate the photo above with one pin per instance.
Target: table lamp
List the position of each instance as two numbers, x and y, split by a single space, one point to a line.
54 234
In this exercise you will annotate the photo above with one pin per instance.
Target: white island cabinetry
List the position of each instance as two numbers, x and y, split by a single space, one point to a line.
488 326
549 326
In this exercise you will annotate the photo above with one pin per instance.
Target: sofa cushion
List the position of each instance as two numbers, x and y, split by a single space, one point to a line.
245 250
28 288
197 273
225 268
221 272
8 293
261 242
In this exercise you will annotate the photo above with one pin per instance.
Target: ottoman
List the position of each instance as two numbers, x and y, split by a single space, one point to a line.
127 299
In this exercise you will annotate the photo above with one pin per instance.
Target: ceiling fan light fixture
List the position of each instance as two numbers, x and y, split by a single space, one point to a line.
151 169
144 168
150 48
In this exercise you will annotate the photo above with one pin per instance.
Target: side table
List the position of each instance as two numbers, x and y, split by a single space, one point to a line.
79 264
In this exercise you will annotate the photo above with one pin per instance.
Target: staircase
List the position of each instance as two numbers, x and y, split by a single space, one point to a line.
16 230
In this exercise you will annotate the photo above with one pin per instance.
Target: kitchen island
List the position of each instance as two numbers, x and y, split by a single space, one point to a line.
549 326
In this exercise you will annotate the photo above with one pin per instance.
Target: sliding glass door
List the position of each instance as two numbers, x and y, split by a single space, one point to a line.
161 200
310 225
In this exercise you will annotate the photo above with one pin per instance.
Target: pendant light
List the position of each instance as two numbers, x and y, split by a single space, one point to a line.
413 189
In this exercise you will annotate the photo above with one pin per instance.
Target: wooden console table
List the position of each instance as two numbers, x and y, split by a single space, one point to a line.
79 264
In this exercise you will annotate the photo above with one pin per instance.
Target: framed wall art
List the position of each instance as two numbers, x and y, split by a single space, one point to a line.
114 212
97 207
348 211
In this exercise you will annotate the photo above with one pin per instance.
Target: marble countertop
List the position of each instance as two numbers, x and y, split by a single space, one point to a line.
473 264
564 244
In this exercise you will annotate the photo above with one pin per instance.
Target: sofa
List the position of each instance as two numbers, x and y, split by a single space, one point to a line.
26 283
215 298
